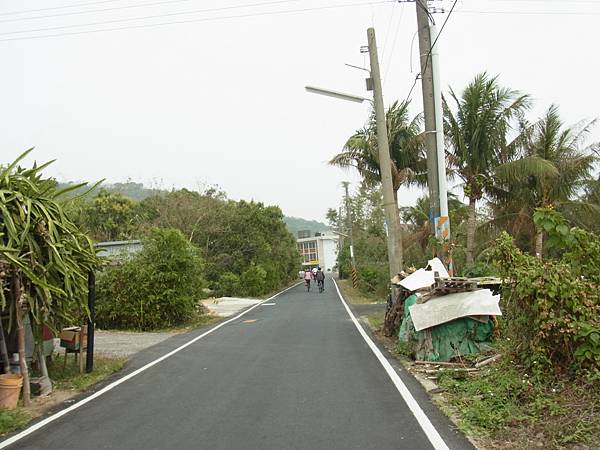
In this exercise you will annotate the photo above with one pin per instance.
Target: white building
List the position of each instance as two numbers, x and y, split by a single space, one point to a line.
319 251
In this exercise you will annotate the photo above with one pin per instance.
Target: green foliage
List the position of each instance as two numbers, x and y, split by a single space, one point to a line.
41 245
229 285
553 306
111 216
253 280
159 287
503 401
12 420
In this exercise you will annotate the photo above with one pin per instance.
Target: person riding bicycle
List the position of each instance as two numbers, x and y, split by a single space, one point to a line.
307 277
320 277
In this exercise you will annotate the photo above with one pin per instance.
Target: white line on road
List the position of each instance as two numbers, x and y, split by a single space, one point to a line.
428 428
268 304
114 384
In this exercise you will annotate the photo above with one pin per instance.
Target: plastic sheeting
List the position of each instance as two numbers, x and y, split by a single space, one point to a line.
462 336
446 308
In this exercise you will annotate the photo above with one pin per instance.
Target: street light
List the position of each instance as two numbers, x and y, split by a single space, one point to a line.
336 94
390 206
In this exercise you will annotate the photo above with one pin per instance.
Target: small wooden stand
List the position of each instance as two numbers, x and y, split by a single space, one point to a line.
74 340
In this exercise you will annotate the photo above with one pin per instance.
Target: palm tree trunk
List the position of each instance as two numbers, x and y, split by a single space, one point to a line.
471 230
539 243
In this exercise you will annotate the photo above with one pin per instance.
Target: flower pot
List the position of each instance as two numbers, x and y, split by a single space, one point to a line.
10 389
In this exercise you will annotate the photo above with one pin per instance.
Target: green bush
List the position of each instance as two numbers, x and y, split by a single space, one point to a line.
253 281
229 285
159 287
552 307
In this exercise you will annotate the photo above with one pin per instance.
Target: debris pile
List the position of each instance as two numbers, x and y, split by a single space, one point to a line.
444 318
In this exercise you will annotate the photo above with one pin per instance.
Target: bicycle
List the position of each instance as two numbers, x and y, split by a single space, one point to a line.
321 284
307 282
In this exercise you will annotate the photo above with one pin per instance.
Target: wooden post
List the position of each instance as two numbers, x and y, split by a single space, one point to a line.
89 362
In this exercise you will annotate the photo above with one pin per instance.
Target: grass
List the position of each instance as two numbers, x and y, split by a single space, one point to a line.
355 296
376 320
12 420
506 406
69 377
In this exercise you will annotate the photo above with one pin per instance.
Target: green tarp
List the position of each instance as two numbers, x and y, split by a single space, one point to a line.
462 336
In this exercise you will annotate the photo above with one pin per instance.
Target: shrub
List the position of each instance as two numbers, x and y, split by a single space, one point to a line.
253 280
552 307
229 284
159 287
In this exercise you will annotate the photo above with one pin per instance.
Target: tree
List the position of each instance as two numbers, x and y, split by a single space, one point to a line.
476 135
111 216
159 287
554 165
44 257
407 153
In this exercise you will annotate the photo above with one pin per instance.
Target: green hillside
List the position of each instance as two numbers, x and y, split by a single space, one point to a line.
296 224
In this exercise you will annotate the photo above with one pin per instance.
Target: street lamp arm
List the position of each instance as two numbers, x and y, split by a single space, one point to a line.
336 94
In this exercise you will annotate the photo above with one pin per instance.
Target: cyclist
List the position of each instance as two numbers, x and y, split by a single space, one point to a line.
320 277
307 277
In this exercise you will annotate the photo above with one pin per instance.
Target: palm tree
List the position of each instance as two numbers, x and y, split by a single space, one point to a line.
555 165
476 136
406 152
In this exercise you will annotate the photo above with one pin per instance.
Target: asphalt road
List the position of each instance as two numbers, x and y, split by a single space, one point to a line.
294 375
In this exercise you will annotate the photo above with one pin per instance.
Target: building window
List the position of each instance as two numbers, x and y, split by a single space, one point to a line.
309 252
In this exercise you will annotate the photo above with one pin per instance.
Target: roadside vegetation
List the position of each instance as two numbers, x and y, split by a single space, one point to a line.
531 218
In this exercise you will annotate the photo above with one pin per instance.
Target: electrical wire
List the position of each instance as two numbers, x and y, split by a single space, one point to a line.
387 34
532 13
430 50
143 5
389 63
27 11
203 19
155 16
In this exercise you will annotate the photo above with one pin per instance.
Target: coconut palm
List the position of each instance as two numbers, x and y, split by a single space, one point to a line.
406 152
554 166
476 136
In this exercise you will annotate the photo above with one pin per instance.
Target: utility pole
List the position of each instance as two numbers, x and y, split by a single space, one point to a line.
350 234
434 131
385 167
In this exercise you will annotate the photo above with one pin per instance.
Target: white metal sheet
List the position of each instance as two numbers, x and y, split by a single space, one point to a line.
446 308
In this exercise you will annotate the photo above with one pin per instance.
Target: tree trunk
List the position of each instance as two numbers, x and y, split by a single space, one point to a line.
18 299
471 231
539 243
3 349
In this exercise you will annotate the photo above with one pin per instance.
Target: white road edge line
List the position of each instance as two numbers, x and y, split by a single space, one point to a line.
114 384
426 425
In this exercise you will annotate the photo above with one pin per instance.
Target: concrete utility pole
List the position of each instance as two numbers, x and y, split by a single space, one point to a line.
434 131
349 225
428 109
385 167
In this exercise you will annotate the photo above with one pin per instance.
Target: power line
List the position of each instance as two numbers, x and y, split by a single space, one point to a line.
204 19
532 13
387 66
26 11
430 50
143 5
155 16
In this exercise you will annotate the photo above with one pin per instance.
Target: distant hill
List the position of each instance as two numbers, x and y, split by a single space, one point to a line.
296 224
134 191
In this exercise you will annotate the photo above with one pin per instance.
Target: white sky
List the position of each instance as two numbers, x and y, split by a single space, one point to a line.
222 101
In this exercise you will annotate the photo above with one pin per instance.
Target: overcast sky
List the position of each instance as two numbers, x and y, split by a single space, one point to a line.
222 101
